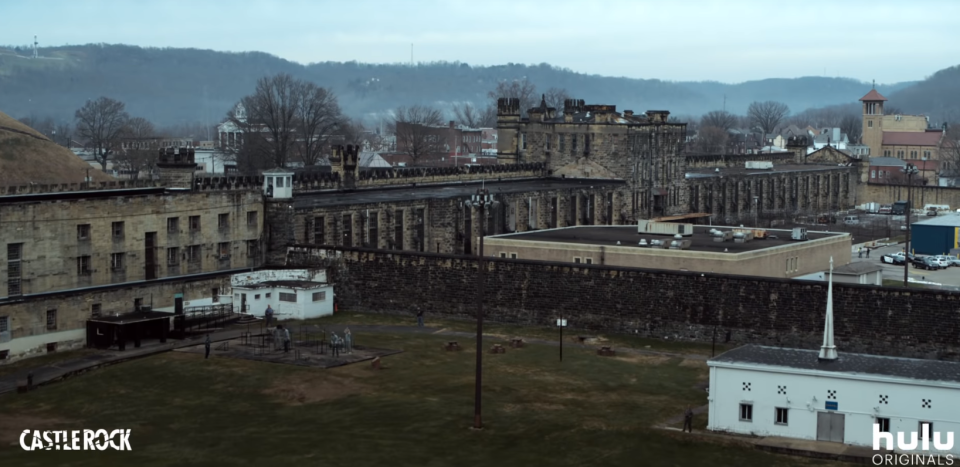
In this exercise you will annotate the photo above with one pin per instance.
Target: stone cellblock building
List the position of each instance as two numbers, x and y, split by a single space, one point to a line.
826 181
596 141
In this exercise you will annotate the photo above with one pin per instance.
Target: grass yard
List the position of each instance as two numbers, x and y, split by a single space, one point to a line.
511 330
187 411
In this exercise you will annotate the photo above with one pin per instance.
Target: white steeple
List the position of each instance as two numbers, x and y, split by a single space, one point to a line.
829 351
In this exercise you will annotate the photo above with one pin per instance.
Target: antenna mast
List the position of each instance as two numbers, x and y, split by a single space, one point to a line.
35 43
411 54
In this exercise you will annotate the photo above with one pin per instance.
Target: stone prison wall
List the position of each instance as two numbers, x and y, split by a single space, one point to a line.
649 303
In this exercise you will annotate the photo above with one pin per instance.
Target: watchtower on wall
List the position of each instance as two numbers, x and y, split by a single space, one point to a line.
798 146
176 167
345 161
508 130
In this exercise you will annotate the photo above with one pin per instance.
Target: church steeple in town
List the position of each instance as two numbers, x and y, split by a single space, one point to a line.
828 351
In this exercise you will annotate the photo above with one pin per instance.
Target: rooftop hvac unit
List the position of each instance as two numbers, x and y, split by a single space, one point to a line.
759 165
742 236
680 244
664 228
643 242
799 233
722 236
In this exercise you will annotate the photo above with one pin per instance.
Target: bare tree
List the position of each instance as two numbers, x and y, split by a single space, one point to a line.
468 115
270 124
317 115
767 115
45 126
555 98
139 128
418 132
712 140
720 119
521 89
101 124
63 134
353 132
285 118
139 155
852 126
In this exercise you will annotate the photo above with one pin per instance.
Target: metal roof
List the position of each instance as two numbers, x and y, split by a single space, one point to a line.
947 220
847 363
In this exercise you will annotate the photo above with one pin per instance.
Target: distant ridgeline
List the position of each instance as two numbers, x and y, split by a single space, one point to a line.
149 81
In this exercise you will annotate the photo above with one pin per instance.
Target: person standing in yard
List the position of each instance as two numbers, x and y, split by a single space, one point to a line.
286 340
868 252
269 315
347 341
860 252
688 420
419 317
206 346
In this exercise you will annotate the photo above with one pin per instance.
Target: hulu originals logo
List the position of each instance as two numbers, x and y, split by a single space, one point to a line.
917 442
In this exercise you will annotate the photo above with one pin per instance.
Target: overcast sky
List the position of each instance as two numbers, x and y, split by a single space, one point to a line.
730 41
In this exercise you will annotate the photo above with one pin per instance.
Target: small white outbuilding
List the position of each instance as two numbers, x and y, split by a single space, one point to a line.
826 396
292 293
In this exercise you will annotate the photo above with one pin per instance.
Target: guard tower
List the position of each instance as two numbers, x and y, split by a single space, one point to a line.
345 162
278 184
176 167
278 213
508 128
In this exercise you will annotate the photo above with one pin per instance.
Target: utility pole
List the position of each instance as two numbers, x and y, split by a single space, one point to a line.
910 170
481 200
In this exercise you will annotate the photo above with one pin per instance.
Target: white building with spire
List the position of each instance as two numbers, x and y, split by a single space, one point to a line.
834 396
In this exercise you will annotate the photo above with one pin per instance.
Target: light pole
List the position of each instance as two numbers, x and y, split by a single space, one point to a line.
756 211
481 200
910 170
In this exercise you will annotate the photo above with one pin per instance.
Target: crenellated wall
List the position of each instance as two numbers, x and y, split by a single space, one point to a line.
379 177
65 187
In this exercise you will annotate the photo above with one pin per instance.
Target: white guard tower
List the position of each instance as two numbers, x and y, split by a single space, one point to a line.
278 184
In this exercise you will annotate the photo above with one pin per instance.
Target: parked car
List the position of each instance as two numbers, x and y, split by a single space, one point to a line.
943 261
952 260
926 262
897 258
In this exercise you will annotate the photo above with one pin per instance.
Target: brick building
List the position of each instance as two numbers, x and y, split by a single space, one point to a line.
906 137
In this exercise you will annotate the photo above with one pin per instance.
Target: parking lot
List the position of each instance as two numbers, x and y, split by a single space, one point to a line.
948 278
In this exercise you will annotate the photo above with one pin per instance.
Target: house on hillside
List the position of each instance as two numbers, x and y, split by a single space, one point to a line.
830 137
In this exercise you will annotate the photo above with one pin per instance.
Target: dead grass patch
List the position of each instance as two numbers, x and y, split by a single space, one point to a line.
534 406
305 388
689 363
11 427
644 359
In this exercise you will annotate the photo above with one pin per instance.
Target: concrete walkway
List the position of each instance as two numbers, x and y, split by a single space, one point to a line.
56 371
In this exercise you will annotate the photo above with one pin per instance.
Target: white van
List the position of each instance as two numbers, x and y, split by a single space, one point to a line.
851 220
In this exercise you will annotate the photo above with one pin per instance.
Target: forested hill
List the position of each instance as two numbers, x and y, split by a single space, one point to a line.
170 86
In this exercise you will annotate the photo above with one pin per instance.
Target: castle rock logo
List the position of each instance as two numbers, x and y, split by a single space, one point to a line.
75 440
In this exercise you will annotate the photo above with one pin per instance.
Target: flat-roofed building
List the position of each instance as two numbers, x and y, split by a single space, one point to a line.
777 255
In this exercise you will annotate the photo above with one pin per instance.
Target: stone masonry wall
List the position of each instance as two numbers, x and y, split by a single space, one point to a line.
28 317
651 303
447 225
889 194
85 242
